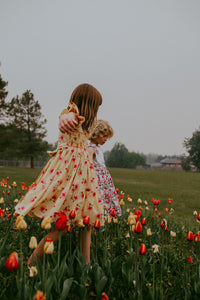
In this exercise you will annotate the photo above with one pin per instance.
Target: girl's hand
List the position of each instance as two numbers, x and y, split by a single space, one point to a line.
67 122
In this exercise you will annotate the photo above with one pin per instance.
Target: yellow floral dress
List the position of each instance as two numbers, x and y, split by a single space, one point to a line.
67 182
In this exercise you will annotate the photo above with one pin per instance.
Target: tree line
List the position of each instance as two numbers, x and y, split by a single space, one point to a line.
23 132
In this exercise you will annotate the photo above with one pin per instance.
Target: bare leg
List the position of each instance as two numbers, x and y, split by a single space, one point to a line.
85 242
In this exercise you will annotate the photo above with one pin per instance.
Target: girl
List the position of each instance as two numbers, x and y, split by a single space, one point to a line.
68 182
99 134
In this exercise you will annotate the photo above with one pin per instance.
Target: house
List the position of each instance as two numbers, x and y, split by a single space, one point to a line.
171 163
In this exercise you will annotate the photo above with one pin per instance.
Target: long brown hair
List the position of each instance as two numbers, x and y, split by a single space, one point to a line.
88 99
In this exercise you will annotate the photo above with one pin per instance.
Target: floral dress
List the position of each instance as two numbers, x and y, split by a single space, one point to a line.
106 185
67 182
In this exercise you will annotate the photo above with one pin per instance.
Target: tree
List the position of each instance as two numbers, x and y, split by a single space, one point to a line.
25 114
120 157
192 146
3 95
186 163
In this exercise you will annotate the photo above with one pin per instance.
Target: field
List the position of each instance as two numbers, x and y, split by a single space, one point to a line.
151 252
182 187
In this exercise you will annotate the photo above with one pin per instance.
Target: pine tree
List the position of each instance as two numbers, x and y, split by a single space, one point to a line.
25 114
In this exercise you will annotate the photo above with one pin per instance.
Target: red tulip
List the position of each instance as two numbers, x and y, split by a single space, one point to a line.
97 224
138 227
144 221
198 216
72 214
162 224
142 249
137 213
8 216
189 259
2 213
61 221
12 263
170 200
104 296
166 228
117 190
190 236
86 220
8 192
112 213
39 296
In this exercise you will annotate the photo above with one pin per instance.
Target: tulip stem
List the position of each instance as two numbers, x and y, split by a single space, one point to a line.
44 279
21 293
59 248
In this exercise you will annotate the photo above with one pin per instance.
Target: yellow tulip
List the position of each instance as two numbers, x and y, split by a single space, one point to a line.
172 234
128 210
109 220
149 233
121 203
16 201
20 223
33 243
32 271
1 200
115 220
46 223
80 223
48 246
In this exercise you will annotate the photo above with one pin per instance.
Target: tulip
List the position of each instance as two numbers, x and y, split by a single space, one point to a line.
129 199
20 223
2 213
9 216
72 214
144 221
138 227
166 228
190 236
197 237
170 200
86 220
46 223
198 216
189 259
115 220
39 296
48 246
131 219
16 201
145 202
137 213
97 224
155 248
162 224
69 229
142 249
109 220
121 203
33 243
12 263
104 296
127 235
80 223
139 201
61 221
112 213
117 190
149 233
1 200
32 271
172 234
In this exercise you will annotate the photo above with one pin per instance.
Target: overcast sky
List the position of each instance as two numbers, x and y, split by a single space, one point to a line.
143 56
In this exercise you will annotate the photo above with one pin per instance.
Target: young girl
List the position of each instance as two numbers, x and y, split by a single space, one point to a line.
99 134
68 182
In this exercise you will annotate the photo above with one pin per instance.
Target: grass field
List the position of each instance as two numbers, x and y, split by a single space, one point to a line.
182 187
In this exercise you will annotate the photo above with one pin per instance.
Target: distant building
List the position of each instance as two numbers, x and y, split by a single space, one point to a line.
171 163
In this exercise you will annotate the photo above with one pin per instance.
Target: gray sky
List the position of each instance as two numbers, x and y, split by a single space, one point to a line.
143 56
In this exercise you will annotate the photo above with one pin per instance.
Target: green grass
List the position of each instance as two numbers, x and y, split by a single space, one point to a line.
182 187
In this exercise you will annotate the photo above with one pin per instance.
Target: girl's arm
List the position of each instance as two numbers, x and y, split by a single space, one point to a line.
67 122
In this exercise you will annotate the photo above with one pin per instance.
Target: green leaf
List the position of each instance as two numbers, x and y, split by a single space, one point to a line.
66 288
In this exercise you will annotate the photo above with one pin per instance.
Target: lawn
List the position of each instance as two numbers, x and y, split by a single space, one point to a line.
182 187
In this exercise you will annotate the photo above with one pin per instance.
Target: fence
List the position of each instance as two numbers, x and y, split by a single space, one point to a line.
21 163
